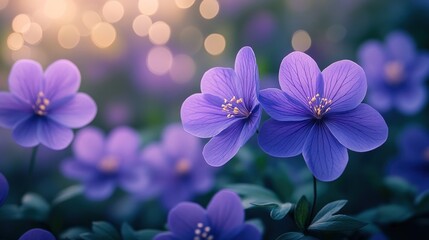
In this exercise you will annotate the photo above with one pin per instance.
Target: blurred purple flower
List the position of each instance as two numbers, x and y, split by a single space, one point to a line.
227 109
37 234
320 115
4 189
101 163
42 107
396 73
412 164
223 219
178 166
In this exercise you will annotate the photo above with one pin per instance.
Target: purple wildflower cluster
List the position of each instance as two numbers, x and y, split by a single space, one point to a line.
223 219
318 114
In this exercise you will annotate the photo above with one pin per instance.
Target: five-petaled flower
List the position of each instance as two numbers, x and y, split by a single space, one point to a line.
42 107
227 109
396 73
223 219
320 115
412 162
103 163
177 165
4 189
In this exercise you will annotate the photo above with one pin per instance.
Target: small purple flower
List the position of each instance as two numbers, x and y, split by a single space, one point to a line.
396 73
37 234
178 166
4 189
223 219
227 109
412 164
320 115
101 163
42 107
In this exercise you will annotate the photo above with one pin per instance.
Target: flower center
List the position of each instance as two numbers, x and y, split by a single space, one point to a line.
41 104
109 164
203 232
394 72
235 108
183 166
319 105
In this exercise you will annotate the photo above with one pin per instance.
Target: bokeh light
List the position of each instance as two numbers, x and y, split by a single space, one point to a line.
209 9
159 33
33 34
90 19
159 60
68 36
184 3
141 25
21 23
103 35
301 41
215 44
55 9
148 7
113 11
15 41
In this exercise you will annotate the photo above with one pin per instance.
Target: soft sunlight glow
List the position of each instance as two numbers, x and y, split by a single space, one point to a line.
209 9
113 11
68 36
15 41
34 34
215 44
301 41
141 25
184 3
21 23
159 33
159 60
148 7
183 68
103 35
192 39
22 53
55 9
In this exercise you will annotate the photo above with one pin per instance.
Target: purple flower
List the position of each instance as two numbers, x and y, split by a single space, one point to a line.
412 164
42 107
320 115
4 189
396 73
37 234
227 109
178 166
101 163
223 219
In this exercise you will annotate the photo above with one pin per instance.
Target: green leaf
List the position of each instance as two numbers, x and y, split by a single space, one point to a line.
10 211
386 214
147 234
422 203
127 232
301 214
291 236
106 230
280 211
253 194
34 207
337 223
329 209
68 193
400 188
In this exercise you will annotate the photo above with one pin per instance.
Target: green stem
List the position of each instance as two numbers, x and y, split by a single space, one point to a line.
33 159
313 207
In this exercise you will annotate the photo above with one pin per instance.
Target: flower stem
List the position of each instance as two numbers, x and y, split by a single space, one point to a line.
33 159
313 207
